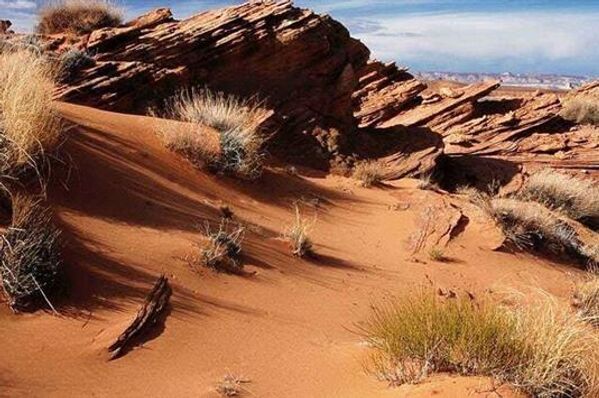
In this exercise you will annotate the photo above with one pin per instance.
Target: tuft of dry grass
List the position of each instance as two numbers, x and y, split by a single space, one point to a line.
581 110
586 300
576 198
298 235
222 253
541 349
77 16
369 173
231 385
30 260
437 254
237 121
426 183
29 123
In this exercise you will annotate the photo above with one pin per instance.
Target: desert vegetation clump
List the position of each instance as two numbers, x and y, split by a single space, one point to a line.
231 385
586 300
574 197
542 349
29 123
77 16
30 261
369 173
237 121
298 235
581 110
72 62
426 183
437 254
222 252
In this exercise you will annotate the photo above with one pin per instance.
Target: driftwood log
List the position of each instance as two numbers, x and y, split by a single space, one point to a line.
147 316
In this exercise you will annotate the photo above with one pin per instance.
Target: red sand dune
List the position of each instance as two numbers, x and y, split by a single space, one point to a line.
129 209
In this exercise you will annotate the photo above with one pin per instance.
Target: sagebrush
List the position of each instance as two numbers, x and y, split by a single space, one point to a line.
30 259
237 121
581 110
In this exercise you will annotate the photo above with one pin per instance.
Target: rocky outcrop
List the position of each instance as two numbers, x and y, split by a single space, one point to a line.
333 104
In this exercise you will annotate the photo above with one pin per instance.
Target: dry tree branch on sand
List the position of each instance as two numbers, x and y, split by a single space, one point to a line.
77 16
542 348
298 235
238 122
30 260
222 252
29 123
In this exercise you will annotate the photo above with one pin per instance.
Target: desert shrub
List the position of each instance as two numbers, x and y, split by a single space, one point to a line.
77 16
369 173
437 254
529 225
426 183
581 110
29 123
298 235
30 43
576 198
542 349
30 259
72 62
586 299
222 252
231 385
237 121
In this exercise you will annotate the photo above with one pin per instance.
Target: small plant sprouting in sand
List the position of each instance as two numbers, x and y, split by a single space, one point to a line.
586 300
77 16
298 235
369 173
541 348
231 385
582 111
437 254
574 197
29 123
222 252
237 121
30 260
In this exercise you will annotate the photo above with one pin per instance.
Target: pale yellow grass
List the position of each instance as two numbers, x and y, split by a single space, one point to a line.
29 123
369 173
541 348
298 235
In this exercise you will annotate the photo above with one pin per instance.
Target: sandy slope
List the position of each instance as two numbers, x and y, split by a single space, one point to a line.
130 209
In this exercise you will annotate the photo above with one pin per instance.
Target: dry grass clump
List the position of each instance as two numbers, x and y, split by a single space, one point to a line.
231 385
29 123
77 16
298 235
543 349
237 121
586 299
576 198
30 259
426 183
437 254
582 111
369 173
223 250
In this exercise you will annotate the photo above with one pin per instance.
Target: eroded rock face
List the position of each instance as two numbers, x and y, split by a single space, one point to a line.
333 104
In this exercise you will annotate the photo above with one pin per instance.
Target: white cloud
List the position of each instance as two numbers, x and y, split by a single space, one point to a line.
17 4
552 36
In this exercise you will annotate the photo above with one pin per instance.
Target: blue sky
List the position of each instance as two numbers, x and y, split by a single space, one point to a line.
521 36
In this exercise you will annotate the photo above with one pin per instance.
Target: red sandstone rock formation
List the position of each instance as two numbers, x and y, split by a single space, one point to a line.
332 104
